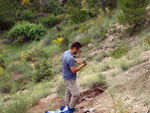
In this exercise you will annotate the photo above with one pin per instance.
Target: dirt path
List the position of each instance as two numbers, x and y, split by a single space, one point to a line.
94 99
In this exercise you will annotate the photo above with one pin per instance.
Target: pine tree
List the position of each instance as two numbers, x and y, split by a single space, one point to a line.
133 13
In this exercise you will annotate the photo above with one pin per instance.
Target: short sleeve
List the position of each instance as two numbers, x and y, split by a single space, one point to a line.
72 62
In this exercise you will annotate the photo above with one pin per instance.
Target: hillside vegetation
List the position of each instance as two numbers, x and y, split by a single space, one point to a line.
115 35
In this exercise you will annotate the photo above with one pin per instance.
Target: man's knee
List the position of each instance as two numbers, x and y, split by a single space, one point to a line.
76 94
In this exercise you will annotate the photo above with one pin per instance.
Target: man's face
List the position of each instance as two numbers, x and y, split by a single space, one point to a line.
76 50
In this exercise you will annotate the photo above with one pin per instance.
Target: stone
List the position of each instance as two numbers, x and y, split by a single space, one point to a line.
90 45
111 38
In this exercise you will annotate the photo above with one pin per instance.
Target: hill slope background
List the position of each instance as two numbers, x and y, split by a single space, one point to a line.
116 78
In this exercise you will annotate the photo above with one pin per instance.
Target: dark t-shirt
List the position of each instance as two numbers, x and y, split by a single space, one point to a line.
67 62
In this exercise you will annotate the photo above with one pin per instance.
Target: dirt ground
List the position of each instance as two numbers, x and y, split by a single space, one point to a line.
128 92
91 100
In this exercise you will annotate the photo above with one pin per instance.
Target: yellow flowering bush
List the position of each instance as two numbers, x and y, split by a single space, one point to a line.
84 5
67 16
92 22
24 2
107 11
1 71
5 51
84 28
40 44
2 63
58 17
23 56
100 17
33 53
58 41
78 15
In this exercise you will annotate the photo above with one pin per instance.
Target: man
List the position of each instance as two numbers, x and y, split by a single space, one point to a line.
69 71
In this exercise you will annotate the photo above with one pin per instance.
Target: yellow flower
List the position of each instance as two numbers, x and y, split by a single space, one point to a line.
24 2
1 71
4 51
83 2
0 55
55 42
58 41
92 22
67 16
107 12
40 44
81 9
23 56
99 16
29 51
101 13
100 10
92 8
58 16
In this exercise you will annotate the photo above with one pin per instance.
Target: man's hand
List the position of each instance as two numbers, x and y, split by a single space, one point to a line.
84 62
78 62
76 69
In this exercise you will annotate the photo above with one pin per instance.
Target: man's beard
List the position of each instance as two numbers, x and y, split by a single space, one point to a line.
75 52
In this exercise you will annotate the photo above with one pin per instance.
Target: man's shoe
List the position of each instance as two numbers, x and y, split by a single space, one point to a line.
73 110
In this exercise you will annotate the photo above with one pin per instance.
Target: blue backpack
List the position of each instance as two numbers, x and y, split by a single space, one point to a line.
64 109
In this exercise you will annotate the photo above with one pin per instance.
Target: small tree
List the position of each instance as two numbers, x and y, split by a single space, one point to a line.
133 13
43 71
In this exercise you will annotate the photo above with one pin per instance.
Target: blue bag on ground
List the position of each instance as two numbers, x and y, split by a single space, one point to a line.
64 109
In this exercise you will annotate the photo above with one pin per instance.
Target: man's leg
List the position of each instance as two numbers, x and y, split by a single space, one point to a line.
71 88
67 97
74 94
67 93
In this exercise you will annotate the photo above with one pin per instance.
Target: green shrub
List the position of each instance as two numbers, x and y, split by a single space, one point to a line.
21 68
93 79
27 15
110 3
2 108
5 84
124 65
43 71
133 13
77 15
19 106
73 2
25 31
102 55
49 21
5 88
105 66
33 54
148 40
84 28
120 51
84 41
20 83
92 3
54 7
2 62
102 36
60 88
7 14
65 43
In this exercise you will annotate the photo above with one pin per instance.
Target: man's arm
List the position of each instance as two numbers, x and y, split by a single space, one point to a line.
76 69
78 62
